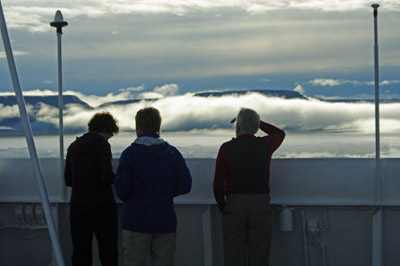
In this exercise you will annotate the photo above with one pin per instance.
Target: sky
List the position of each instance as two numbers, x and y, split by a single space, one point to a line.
149 48
170 49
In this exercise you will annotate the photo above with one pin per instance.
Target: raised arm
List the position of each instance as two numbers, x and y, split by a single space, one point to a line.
275 135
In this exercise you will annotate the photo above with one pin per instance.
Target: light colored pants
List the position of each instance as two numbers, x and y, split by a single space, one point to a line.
137 245
247 230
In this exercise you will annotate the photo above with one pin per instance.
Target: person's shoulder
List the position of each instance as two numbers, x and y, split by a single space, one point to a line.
171 149
130 149
262 138
101 143
75 144
230 142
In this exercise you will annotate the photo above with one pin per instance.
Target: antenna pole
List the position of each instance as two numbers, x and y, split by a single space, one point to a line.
59 23
376 59
377 129
377 220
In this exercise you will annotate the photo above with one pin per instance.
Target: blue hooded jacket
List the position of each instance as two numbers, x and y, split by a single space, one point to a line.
150 174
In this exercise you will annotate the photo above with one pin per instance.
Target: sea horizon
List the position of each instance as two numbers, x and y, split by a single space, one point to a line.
202 144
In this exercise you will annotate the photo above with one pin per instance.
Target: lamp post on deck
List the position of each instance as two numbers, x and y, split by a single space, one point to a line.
59 23
377 129
376 63
377 221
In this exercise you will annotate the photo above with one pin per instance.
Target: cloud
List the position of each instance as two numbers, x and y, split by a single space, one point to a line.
15 53
167 90
39 13
47 113
299 89
95 100
37 92
193 42
160 92
188 112
326 82
134 89
8 111
265 80
150 95
389 82
338 82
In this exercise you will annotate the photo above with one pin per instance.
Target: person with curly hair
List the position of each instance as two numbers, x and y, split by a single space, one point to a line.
93 211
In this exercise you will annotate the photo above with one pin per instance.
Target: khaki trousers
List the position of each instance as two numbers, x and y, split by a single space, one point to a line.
136 246
247 230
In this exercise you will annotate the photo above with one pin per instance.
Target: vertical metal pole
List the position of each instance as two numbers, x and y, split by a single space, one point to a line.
59 23
60 113
29 139
377 129
378 218
376 60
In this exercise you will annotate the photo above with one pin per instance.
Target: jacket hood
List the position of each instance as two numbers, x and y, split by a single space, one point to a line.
149 140
152 145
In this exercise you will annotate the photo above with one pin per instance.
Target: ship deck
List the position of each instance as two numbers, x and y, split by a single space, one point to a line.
325 212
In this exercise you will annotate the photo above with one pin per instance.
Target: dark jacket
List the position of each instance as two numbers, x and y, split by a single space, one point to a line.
243 164
89 170
150 174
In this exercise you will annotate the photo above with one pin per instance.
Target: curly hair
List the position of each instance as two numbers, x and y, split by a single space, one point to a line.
103 122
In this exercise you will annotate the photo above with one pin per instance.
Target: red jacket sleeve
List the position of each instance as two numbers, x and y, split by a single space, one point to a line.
220 179
275 135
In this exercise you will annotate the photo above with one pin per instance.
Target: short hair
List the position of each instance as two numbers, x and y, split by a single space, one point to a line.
248 120
103 122
148 120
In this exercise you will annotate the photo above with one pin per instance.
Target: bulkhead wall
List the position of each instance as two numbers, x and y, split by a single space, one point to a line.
338 197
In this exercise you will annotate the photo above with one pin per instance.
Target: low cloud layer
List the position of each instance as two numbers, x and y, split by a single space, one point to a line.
337 82
189 112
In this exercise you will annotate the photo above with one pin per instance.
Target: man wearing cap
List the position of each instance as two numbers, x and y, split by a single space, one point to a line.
241 189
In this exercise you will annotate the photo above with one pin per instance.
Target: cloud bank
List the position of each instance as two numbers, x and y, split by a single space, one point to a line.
323 82
188 112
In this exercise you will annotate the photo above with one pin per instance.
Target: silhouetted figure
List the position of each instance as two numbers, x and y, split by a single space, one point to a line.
150 174
93 210
242 175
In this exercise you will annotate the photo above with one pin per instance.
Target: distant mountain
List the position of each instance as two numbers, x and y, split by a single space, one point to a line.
272 93
124 102
51 100
12 125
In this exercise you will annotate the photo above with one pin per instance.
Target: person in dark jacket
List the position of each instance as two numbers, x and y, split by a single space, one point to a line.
93 211
150 174
242 173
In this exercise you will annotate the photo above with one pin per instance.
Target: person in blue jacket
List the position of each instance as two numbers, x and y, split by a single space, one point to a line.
150 174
